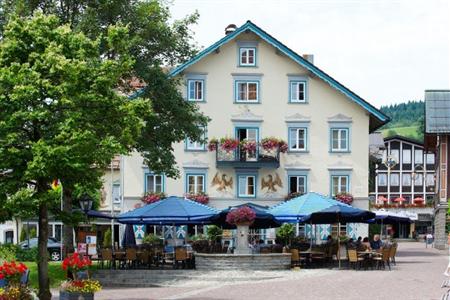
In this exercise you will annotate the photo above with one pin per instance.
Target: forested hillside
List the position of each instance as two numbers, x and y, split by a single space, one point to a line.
406 119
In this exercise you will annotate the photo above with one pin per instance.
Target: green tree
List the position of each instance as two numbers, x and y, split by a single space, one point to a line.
57 99
285 233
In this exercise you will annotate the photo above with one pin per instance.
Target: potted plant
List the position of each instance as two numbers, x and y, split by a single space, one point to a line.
241 216
78 286
228 144
152 197
270 144
212 145
12 283
344 198
248 146
201 198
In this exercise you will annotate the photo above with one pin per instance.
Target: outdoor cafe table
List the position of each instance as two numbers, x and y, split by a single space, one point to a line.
367 255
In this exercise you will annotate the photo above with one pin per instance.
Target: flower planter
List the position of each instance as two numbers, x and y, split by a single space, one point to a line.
65 295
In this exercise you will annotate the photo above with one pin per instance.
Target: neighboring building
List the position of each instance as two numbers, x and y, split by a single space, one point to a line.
437 139
253 87
408 186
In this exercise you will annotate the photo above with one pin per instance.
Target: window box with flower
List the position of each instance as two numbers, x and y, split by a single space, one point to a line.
152 197
201 198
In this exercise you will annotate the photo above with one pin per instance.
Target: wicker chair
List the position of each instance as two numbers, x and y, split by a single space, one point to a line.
354 260
383 259
295 258
131 257
181 256
393 253
107 256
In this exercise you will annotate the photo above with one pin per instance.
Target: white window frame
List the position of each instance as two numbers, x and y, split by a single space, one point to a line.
196 146
247 50
305 139
406 156
199 180
418 181
297 186
429 180
155 185
418 153
294 91
247 83
115 199
380 181
194 82
340 184
406 179
246 195
394 179
339 138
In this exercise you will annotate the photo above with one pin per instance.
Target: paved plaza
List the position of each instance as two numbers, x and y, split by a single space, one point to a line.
418 275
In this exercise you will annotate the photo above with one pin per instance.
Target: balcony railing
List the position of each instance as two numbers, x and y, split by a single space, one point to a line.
248 159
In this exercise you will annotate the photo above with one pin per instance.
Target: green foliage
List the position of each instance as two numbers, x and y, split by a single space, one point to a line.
23 234
7 252
407 119
285 233
374 229
107 239
27 254
56 273
197 237
152 239
214 233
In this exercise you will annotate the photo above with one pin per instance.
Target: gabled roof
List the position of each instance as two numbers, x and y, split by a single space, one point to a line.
405 139
377 118
437 111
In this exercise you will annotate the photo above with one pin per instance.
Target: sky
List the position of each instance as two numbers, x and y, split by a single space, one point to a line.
386 51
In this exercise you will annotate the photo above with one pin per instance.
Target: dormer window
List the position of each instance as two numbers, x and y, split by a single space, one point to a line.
247 56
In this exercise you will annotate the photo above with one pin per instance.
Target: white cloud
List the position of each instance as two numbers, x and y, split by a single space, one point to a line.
385 51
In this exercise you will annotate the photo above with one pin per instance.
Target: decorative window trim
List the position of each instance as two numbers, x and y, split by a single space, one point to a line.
341 173
297 173
306 129
186 181
163 180
297 80
247 81
203 146
196 77
247 45
247 174
348 130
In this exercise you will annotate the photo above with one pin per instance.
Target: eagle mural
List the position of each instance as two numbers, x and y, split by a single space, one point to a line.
221 183
271 183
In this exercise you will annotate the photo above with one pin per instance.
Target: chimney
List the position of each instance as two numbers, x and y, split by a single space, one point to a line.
230 29
309 57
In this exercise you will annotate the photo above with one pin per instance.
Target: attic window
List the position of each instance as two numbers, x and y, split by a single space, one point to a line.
247 56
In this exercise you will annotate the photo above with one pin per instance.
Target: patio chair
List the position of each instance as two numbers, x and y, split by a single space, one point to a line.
354 260
181 256
131 257
383 259
394 253
106 256
144 258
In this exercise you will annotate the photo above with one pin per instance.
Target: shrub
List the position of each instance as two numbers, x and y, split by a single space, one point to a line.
214 233
152 239
285 233
241 215
8 252
107 239
27 254
201 246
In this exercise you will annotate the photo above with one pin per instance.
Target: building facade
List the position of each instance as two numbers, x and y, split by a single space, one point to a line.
437 139
254 88
405 183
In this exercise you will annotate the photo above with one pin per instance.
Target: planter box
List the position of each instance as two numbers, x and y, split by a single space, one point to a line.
64 295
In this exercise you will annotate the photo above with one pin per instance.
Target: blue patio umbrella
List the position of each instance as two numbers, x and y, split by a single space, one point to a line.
170 211
263 219
339 214
296 209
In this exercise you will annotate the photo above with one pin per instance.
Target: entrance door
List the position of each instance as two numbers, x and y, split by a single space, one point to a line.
248 134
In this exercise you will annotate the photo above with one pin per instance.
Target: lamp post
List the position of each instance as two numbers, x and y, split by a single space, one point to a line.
86 203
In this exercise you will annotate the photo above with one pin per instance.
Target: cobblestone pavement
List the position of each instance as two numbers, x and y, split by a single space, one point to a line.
417 275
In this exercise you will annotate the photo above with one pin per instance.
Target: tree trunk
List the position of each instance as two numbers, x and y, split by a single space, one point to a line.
44 284
67 228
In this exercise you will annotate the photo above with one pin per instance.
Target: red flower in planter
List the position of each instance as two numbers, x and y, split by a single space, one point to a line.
201 198
12 271
241 215
150 197
76 262
344 198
